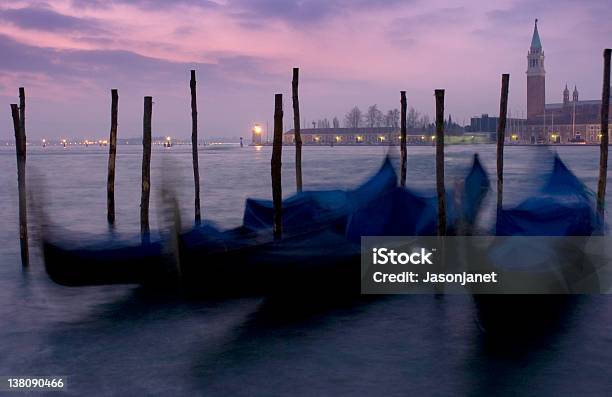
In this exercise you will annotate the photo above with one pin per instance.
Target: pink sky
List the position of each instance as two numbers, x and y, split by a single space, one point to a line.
70 53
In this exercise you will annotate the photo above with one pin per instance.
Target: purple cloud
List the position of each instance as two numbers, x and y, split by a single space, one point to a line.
147 4
44 18
302 12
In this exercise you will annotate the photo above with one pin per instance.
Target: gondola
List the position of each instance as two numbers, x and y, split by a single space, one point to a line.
538 252
319 249
107 260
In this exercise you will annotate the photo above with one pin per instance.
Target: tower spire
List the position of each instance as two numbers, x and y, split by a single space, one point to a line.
575 94
535 39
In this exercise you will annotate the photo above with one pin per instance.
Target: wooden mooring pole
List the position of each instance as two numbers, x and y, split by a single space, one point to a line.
296 128
603 148
277 146
17 113
439 94
501 134
403 152
146 169
112 154
194 147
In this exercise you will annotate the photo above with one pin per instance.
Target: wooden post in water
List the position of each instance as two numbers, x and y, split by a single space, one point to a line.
277 146
22 108
112 154
440 162
23 207
501 134
20 149
146 168
404 154
603 148
194 146
296 128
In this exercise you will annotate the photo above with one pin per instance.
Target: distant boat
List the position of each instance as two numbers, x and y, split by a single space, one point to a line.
221 146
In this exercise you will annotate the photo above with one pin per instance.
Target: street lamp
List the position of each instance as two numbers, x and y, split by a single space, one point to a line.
256 137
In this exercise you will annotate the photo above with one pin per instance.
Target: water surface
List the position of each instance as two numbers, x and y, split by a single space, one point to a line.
107 339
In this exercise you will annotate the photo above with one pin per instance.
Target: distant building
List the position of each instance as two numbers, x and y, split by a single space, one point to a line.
565 122
536 76
486 123
358 136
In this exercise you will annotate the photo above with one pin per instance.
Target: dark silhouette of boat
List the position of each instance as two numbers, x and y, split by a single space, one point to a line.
539 253
564 207
319 250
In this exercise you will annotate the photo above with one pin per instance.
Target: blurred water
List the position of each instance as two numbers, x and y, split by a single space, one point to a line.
107 339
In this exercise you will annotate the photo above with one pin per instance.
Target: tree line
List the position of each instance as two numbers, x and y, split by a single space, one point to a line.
374 117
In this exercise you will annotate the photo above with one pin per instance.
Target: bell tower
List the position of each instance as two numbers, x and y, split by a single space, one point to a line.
536 87
575 95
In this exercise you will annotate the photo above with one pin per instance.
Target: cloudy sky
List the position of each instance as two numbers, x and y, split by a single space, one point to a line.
70 53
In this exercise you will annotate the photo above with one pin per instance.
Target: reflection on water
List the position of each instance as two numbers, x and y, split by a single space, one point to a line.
106 338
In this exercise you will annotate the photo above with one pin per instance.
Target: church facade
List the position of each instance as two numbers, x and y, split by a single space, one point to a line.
570 121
